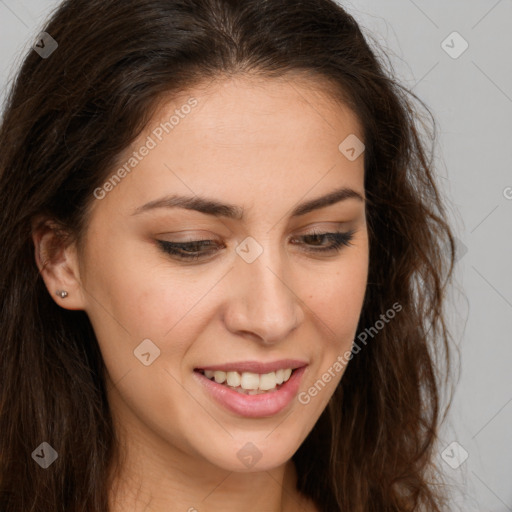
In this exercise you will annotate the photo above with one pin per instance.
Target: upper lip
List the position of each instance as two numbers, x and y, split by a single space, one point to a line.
255 366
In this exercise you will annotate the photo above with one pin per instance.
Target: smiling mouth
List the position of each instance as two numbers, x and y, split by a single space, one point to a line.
249 383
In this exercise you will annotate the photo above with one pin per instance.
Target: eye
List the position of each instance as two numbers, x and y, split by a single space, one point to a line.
192 250
337 239
186 250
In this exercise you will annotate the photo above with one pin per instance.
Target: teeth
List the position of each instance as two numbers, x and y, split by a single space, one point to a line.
268 381
252 383
234 379
219 377
249 380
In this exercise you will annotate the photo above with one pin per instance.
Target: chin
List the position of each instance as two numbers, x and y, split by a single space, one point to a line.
253 456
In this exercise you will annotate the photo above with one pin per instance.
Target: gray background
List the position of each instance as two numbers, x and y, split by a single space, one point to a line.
471 99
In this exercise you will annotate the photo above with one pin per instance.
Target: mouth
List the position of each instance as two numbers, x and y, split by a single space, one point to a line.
249 383
252 389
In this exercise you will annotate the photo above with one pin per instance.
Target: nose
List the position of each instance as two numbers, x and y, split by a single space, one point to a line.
264 303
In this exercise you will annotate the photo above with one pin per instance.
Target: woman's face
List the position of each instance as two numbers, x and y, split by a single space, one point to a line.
262 298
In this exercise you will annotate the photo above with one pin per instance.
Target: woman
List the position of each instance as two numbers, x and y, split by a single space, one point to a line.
224 266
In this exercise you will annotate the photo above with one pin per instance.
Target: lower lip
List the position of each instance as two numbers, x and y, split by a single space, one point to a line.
254 406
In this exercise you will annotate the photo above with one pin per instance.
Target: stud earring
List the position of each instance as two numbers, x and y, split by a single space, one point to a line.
62 293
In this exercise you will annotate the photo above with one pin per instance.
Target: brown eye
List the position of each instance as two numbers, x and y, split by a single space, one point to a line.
186 250
337 239
193 250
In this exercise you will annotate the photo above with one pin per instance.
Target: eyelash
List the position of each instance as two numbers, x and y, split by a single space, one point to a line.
338 238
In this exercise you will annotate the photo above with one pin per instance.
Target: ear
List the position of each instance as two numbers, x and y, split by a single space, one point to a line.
57 260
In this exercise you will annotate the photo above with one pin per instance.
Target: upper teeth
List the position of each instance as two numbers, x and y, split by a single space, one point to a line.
248 380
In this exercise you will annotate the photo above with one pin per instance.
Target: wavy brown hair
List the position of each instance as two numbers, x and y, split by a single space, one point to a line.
67 118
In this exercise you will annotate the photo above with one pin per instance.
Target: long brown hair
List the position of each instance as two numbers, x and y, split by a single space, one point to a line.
66 119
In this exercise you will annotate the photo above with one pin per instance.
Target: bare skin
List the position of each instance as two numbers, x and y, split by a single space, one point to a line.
265 146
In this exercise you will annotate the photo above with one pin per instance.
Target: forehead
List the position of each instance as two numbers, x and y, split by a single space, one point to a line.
227 104
290 122
237 138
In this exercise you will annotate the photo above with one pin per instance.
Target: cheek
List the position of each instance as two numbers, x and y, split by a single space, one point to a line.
338 298
132 285
148 303
133 297
335 311
134 302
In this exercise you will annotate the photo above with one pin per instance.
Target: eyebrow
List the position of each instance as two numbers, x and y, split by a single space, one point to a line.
218 209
